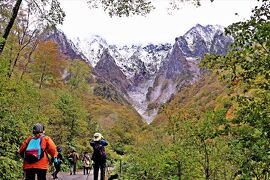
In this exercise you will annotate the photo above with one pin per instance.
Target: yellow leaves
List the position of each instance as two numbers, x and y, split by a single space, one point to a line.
48 65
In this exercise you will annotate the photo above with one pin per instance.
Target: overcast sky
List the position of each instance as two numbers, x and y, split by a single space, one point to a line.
156 27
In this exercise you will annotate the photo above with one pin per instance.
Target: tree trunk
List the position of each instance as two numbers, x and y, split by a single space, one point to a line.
28 60
207 164
179 173
42 75
72 129
12 66
10 24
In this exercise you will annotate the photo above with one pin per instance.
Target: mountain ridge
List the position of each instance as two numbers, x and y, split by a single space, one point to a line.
148 76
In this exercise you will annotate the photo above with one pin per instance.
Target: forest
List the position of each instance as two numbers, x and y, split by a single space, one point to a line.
217 128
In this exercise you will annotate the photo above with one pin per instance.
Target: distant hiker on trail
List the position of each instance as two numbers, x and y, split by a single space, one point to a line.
86 163
73 158
99 155
57 164
35 150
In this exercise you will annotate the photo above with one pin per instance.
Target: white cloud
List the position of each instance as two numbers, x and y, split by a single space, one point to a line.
156 27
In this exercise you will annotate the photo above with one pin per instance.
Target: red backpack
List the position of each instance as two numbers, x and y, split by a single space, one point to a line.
34 151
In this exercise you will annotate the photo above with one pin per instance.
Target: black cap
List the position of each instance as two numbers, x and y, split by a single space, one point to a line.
38 128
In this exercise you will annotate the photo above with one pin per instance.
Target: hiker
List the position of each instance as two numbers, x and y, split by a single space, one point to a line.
57 165
73 158
35 150
99 155
86 162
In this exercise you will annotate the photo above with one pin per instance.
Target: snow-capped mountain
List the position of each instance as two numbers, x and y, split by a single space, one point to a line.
204 39
132 60
92 48
149 75
66 46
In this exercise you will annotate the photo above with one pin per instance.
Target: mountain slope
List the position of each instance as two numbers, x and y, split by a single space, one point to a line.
66 46
107 67
202 96
148 76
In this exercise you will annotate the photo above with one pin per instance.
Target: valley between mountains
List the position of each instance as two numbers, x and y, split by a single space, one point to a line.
146 76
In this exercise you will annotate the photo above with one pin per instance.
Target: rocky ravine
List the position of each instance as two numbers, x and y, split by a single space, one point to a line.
148 76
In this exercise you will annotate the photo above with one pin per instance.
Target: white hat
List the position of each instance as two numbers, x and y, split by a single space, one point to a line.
97 137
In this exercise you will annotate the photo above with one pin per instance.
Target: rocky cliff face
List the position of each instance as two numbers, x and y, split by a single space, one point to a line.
204 39
148 76
174 73
107 69
66 46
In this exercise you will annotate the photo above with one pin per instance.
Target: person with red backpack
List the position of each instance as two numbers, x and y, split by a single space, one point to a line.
35 150
99 155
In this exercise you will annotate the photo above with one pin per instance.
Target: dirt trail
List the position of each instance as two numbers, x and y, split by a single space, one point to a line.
67 176
79 175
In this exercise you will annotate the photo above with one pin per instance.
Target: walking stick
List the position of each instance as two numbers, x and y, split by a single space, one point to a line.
107 171
87 176
89 171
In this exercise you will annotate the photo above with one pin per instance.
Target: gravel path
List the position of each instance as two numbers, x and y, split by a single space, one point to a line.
78 176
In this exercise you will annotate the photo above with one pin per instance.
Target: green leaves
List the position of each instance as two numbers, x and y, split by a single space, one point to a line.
79 74
73 115
17 112
123 7
9 168
246 69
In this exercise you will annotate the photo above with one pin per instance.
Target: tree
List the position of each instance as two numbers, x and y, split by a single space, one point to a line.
246 69
48 10
79 74
26 37
49 65
133 7
73 116
55 14
18 111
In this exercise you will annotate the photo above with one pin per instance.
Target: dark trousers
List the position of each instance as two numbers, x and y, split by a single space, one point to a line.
57 169
30 174
85 170
101 166
73 168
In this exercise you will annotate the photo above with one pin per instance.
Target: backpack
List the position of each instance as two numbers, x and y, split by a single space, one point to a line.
100 152
70 159
34 152
73 157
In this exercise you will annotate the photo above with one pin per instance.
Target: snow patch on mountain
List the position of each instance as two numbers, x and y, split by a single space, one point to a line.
128 58
141 64
138 98
92 48
151 56
200 32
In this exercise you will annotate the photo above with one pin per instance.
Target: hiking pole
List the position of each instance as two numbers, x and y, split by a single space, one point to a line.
89 173
108 173
87 176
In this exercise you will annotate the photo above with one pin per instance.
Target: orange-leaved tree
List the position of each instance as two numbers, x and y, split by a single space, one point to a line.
49 65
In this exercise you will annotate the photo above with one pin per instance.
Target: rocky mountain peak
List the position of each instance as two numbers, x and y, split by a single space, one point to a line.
66 46
199 39
92 48
175 64
149 75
